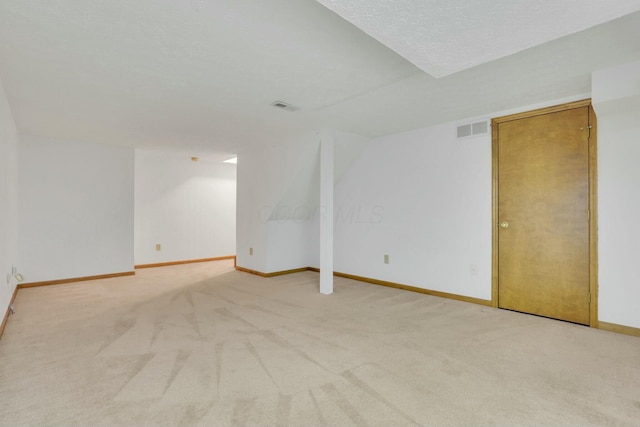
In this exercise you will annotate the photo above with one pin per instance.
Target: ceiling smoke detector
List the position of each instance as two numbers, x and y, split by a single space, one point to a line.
284 106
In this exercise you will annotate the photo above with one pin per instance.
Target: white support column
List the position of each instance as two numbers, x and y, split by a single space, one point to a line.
326 209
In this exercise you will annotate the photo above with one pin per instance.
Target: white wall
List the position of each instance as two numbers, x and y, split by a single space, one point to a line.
252 209
423 198
278 200
288 244
277 195
8 201
76 204
347 148
187 207
616 100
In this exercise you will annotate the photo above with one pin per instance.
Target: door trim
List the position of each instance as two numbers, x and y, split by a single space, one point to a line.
593 223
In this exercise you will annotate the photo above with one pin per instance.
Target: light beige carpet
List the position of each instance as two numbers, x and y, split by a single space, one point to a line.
202 344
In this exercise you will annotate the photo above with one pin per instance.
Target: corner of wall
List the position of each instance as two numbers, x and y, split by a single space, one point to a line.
9 208
616 101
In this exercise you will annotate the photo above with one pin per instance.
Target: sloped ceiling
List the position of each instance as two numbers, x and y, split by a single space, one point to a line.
442 37
200 75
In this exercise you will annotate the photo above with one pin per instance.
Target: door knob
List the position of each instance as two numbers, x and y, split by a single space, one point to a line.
504 225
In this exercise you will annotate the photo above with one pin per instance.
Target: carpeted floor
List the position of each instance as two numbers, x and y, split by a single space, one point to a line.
202 344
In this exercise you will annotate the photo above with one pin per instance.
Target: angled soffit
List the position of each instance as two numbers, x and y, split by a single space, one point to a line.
443 37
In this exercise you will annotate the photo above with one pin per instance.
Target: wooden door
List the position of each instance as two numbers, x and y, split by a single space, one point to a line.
543 214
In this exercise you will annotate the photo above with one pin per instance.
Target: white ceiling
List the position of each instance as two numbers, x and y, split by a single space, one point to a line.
442 37
201 74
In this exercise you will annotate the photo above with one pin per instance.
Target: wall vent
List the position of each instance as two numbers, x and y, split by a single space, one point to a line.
472 129
284 106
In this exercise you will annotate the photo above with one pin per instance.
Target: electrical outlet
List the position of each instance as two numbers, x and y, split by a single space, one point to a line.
158 247
386 259
250 251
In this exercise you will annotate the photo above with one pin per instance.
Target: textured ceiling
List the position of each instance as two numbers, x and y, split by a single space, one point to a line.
442 37
200 75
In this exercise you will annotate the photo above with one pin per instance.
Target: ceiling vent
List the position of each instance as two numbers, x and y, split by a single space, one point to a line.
284 106
472 129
